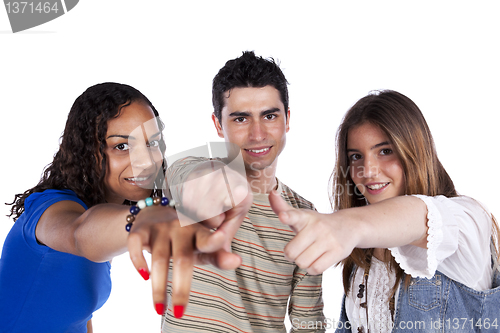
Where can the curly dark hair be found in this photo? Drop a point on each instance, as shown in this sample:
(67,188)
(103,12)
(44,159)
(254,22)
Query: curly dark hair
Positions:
(248,71)
(80,163)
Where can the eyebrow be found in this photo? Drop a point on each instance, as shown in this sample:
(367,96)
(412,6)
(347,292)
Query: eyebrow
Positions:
(246,114)
(385,143)
(129,137)
(273,110)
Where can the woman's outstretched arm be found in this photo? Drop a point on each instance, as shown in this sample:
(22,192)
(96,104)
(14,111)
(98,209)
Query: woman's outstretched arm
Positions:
(325,239)
(99,234)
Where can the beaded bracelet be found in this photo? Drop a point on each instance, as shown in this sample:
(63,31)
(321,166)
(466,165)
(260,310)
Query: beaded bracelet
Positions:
(141,204)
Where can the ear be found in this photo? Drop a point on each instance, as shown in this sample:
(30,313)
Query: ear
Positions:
(287,120)
(218,126)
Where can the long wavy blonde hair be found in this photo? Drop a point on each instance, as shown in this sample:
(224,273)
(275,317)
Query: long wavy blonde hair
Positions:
(405,126)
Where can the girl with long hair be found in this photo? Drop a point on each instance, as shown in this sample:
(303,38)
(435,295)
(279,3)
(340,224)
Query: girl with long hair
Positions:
(416,255)
(103,194)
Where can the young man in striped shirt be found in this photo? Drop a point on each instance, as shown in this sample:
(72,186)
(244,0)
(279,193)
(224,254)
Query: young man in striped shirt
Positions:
(250,99)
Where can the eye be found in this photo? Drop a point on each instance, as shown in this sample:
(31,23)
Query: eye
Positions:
(270,116)
(122,146)
(239,119)
(154,143)
(354,157)
(386,151)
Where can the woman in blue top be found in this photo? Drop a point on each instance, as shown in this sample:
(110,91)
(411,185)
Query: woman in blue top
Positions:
(416,255)
(55,265)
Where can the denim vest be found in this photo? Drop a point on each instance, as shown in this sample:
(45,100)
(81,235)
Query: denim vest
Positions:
(443,305)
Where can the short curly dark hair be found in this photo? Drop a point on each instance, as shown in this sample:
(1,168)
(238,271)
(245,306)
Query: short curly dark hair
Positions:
(248,71)
(80,163)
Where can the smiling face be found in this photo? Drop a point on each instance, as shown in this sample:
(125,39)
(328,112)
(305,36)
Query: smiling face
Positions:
(375,167)
(133,154)
(255,120)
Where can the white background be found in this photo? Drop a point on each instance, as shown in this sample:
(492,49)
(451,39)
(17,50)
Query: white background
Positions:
(443,55)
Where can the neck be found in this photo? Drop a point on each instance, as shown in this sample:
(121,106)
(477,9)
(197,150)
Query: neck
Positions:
(262,181)
(379,254)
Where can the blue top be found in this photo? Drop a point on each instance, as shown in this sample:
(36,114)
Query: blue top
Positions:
(43,290)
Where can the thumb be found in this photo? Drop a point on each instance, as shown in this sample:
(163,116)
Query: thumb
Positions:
(278,204)
(287,214)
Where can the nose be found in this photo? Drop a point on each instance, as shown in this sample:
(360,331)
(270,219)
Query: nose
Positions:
(257,131)
(141,159)
(370,167)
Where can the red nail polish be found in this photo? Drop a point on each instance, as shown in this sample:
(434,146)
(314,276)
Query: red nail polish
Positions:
(144,273)
(178,311)
(160,308)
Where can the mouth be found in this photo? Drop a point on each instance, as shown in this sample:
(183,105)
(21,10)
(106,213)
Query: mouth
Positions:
(140,181)
(376,188)
(258,151)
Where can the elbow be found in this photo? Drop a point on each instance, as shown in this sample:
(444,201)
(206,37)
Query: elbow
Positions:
(83,247)
(421,242)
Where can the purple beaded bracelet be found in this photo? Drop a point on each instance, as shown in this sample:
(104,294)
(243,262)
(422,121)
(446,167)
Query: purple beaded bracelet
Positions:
(141,204)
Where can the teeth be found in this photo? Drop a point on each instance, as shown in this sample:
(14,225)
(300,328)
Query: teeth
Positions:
(258,151)
(137,179)
(377,186)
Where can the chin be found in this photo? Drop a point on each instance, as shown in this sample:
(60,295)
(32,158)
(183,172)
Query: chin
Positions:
(258,165)
(139,196)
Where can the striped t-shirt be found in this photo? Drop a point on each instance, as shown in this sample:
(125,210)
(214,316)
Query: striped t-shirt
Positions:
(254,297)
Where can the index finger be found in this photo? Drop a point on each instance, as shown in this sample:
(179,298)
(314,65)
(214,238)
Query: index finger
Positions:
(234,217)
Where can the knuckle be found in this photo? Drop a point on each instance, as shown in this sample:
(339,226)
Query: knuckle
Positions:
(180,292)
(160,264)
(313,271)
(133,238)
(322,228)
(161,252)
(299,262)
(183,260)
(316,269)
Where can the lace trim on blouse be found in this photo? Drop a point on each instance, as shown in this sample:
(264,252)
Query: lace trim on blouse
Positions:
(434,239)
(380,282)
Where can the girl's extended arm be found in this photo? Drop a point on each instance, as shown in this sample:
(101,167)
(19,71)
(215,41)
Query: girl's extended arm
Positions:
(99,234)
(325,239)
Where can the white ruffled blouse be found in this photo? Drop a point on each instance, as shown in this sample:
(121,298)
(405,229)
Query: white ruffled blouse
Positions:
(458,245)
